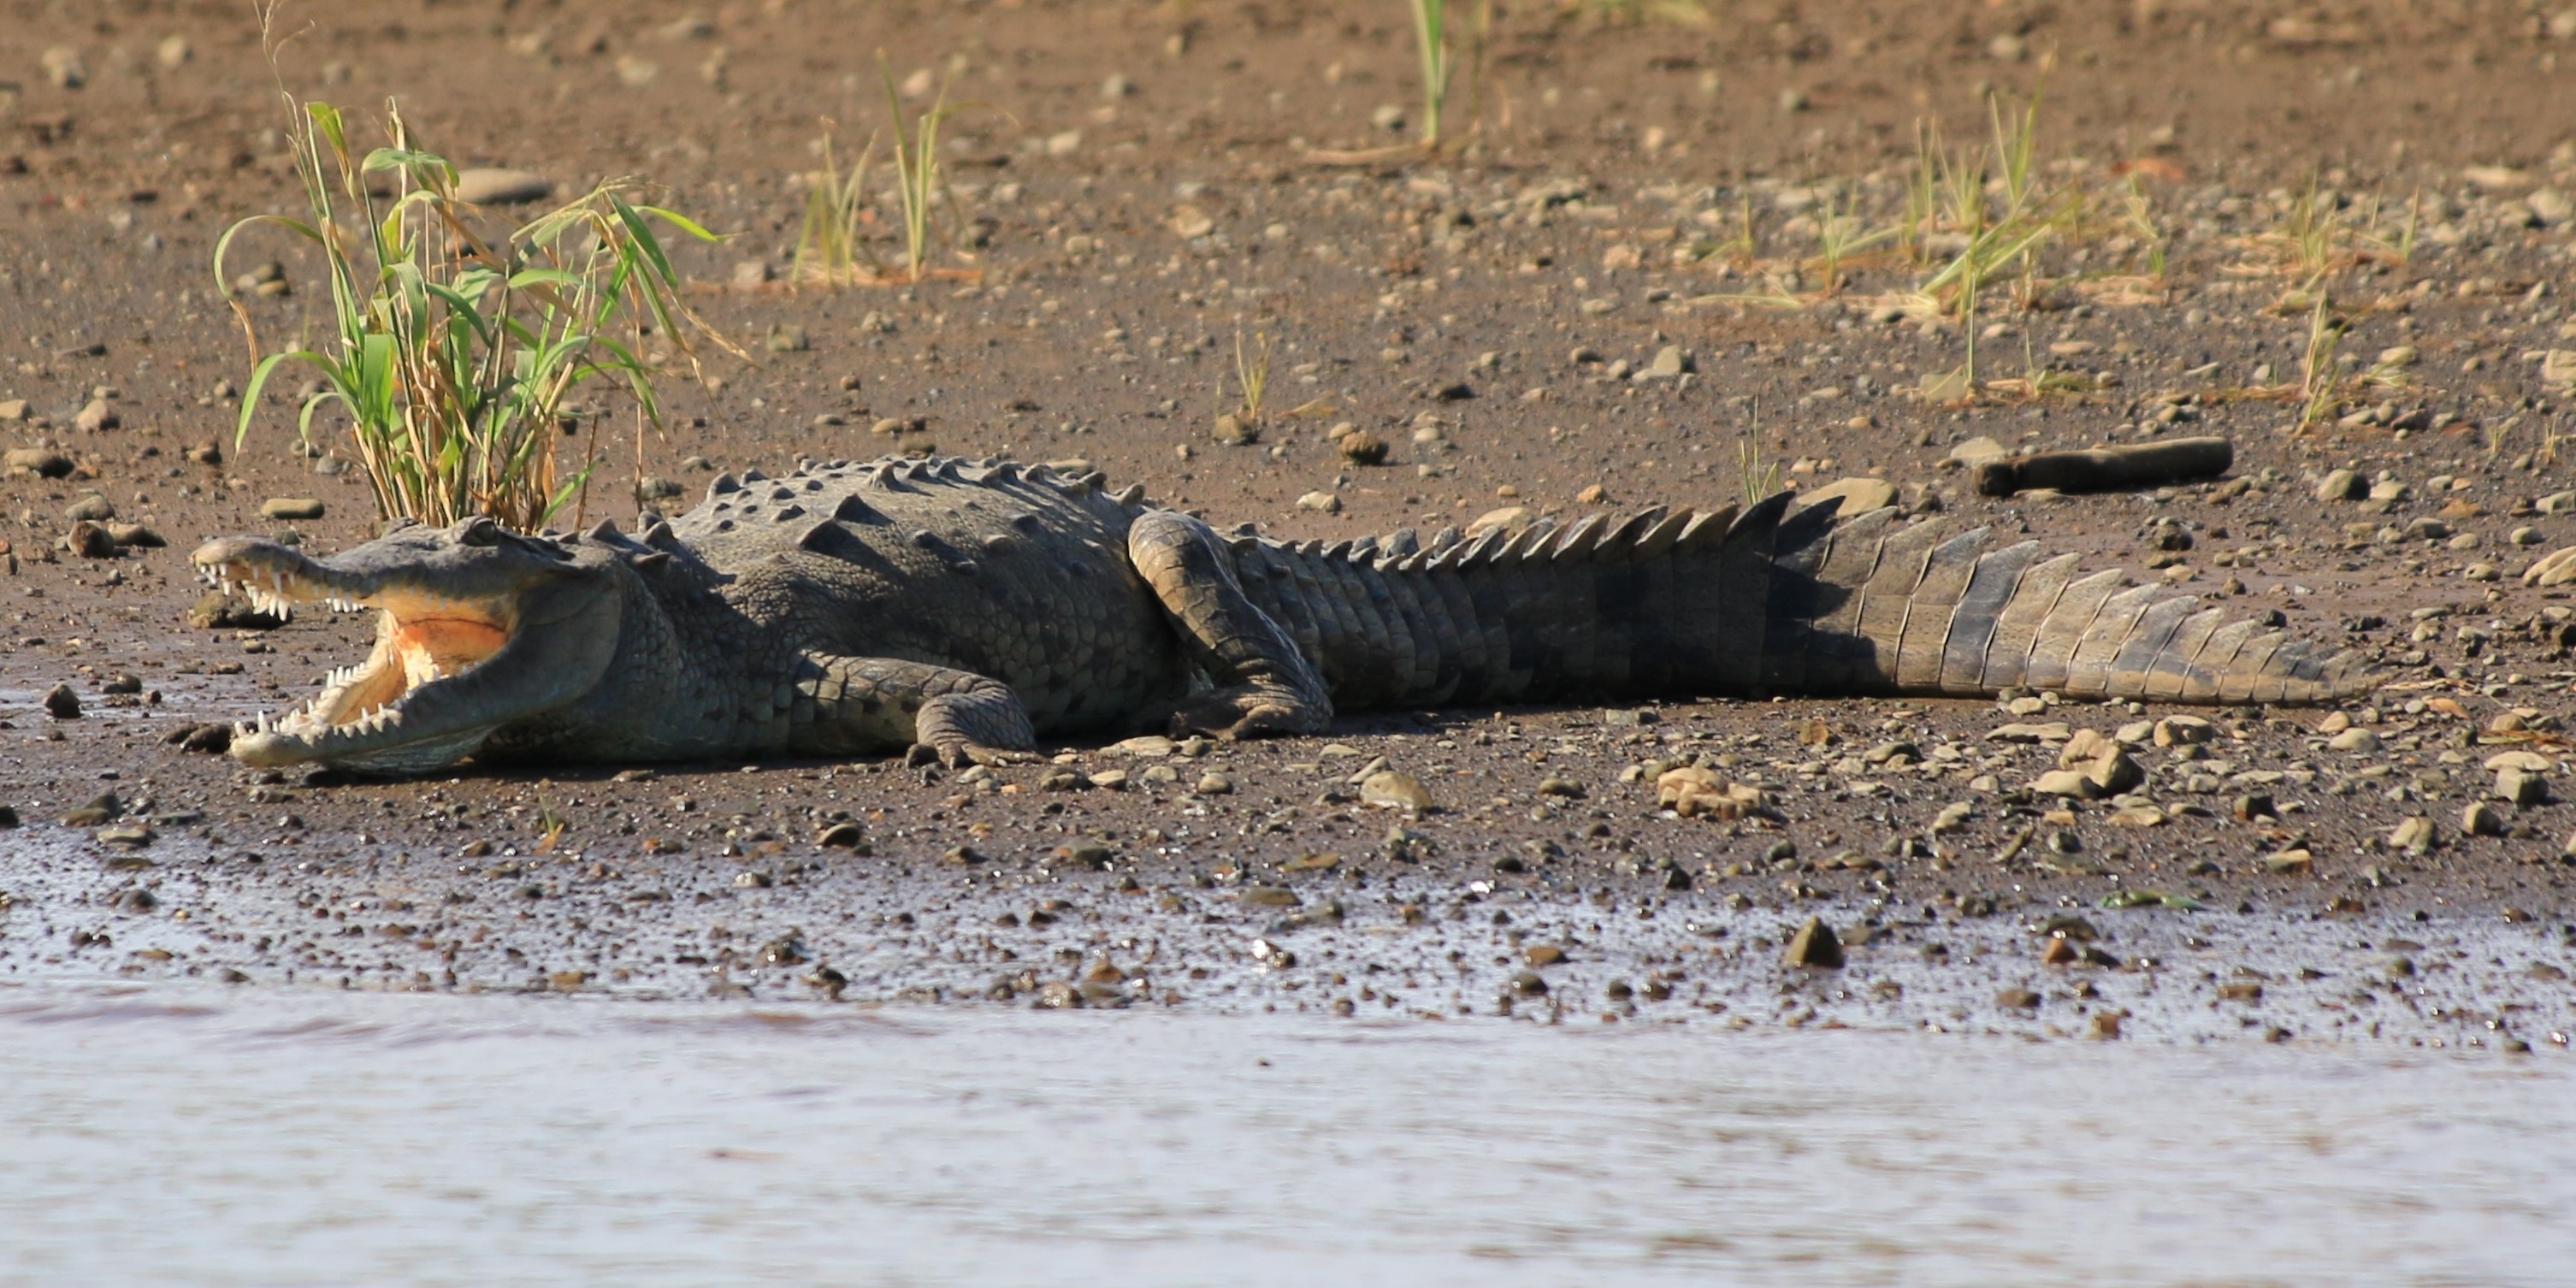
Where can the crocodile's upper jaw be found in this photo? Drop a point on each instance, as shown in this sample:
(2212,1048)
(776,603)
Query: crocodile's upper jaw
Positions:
(454,660)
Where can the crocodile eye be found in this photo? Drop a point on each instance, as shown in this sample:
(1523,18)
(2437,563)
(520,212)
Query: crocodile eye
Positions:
(480,531)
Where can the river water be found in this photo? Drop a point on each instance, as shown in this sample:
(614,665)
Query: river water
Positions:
(172,1134)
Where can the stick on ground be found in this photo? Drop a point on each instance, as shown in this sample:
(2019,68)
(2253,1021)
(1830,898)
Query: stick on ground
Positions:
(2108,469)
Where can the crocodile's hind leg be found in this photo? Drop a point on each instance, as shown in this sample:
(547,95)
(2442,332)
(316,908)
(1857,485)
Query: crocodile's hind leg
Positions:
(857,705)
(1263,684)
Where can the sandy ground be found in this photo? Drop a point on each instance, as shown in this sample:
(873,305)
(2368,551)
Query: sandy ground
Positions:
(1146,184)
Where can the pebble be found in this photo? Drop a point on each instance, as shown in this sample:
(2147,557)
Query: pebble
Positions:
(2520,787)
(2414,834)
(2183,731)
(2482,819)
(1214,784)
(2017,999)
(97,414)
(843,836)
(2290,863)
(64,67)
(92,507)
(1543,955)
(132,836)
(1320,502)
(495,186)
(289,508)
(1509,518)
(91,541)
(1671,362)
(787,337)
(61,703)
(1271,896)
(1110,780)
(39,461)
(2053,731)
(1858,495)
(1392,789)
(1814,946)
(2354,740)
(1190,221)
(1362,448)
(1977,449)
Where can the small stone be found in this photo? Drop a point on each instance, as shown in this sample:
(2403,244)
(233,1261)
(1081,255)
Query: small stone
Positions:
(1509,518)
(1362,448)
(2528,761)
(2414,835)
(1671,362)
(92,507)
(2340,485)
(2051,731)
(1214,784)
(1814,946)
(1271,896)
(290,508)
(1561,787)
(787,337)
(2290,863)
(2482,819)
(91,541)
(1320,502)
(64,67)
(1190,221)
(1543,955)
(1057,995)
(61,703)
(104,808)
(98,414)
(132,836)
(2018,999)
(1977,449)
(843,836)
(491,186)
(2354,740)
(2183,731)
(2520,787)
(39,461)
(1858,495)
(1392,789)
(2062,782)
(1110,780)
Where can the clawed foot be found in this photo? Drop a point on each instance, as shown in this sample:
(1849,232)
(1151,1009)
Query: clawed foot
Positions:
(958,753)
(1226,721)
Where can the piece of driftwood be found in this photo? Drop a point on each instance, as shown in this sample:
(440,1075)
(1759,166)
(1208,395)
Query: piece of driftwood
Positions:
(2107,469)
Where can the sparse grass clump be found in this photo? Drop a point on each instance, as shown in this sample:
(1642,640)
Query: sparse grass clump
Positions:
(457,358)
(1431,44)
(831,249)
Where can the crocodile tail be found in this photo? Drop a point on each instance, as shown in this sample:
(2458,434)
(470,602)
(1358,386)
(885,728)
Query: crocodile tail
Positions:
(1762,601)
(1873,605)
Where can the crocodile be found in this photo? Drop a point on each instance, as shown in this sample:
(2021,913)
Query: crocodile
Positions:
(958,609)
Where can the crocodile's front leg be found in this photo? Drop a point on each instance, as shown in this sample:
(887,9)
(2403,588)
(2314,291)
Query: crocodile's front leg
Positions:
(860,705)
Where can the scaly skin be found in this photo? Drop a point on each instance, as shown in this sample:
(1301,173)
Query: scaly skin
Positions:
(959,610)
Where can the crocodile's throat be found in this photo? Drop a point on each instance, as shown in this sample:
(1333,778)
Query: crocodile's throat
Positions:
(423,641)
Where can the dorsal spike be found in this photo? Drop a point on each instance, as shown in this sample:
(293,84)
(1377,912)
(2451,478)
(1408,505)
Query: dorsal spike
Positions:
(652,561)
(1132,494)
(754,476)
(853,510)
(605,531)
(723,484)
(660,537)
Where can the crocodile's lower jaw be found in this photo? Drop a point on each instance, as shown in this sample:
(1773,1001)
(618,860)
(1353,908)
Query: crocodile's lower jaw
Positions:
(271,749)
(358,720)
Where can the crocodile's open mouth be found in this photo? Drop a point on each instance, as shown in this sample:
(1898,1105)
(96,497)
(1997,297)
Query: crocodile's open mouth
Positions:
(423,640)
